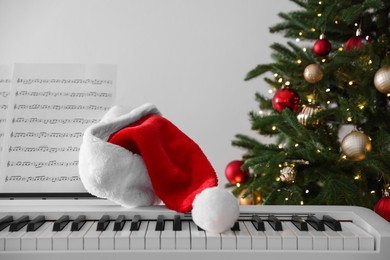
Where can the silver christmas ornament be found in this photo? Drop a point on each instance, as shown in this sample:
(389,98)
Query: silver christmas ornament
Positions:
(356,145)
(382,80)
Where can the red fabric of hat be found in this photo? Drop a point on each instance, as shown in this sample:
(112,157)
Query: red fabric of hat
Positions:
(177,167)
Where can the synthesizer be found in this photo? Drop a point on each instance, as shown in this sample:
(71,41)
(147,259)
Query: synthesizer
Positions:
(98,229)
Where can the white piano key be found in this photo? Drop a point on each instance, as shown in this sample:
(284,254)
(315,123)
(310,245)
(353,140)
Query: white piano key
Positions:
(320,240)
(366,241)
(183,236)
(76,238)
(289,239)
(152,237)
(91,238)
(3,234)
(244,239)
(106,238)
(13,240)
(122,237)
(274,238)
(198,238)
(259,239)
(137,237)
(335,240)
(29,240)
(44,240)
(351,241)
(304,238)
(168,236)
(213,241)
(228,240)
(60,238)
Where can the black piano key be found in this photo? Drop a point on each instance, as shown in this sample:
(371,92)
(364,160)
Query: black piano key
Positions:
(78,223)
(200,229)
(258,223)
(316,223)
(119,223)
(135,223)
(176,223)
(331,223)
(35,223)
(60,223)
(5,222)
(299,222)
(235,227)
(275,223)
(160,223)
(103,223)
(19,224)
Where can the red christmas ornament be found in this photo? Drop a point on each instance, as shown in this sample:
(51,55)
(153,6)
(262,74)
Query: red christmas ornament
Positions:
(285,97)
(234,174)
(322,47)
(356,41)
(382,207)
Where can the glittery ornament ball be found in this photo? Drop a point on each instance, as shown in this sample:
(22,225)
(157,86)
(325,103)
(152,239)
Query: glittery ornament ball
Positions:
(287,174)
(313,73)
(382,80)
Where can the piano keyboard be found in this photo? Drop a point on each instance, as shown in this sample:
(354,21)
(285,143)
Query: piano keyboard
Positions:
(97,229)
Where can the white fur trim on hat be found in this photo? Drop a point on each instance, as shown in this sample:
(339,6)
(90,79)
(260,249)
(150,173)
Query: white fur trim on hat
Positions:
(110,171)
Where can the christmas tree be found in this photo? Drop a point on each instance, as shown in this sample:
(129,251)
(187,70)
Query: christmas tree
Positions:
(333,75)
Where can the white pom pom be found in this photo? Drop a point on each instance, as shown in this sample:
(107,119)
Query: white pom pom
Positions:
(215,210)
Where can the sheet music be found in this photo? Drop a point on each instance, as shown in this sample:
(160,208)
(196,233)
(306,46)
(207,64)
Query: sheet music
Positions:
(50,106)
(5,83)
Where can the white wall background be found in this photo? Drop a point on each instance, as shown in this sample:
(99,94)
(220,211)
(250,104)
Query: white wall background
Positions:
(188,57)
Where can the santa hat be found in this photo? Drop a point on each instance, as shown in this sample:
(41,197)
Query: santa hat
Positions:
(136,157)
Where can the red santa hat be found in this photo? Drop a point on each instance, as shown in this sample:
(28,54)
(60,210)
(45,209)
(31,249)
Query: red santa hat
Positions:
(136,157)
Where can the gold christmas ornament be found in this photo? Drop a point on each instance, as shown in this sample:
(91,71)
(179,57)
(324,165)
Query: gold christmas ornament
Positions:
(313,73)
(306,112)
(288,173)
(252,199)
(382,80)
(355,145)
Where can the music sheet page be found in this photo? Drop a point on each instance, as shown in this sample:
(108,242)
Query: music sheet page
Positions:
(50,106)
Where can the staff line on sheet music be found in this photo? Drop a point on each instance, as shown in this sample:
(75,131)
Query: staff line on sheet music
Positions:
(43,148)
(46,135)
(53,121)
(60,107)
(64,81)
(41,178)
(51,163)
(62,94)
